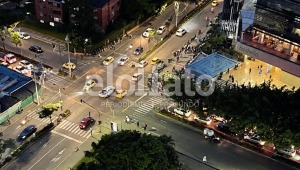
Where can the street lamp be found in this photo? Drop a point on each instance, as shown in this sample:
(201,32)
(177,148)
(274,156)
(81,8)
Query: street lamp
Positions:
(99,114)
(85,43)
(59,92)
(68,42)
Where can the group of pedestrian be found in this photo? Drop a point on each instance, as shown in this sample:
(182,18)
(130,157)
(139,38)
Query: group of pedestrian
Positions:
(144,127)
(231,78)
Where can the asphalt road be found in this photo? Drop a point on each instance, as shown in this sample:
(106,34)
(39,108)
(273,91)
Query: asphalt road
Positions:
(50,151)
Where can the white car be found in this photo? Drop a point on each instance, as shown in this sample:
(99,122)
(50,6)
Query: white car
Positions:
(182,112)
(26,64)
(10,58)
(254,139)
(142,64)
(89,84)
(291,152)
(207,120)
(147,33)
(136,77)
(24,35)
(123,60)
(107,91)
(161,30)
(21,69)
(181,32)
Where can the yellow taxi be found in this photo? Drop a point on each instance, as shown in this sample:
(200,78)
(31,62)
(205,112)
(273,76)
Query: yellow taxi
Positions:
(69,65)
(108,60)
(120,93)
(89,84)
(155,60)
(214,3)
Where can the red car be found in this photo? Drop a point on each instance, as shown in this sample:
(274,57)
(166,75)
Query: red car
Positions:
(86,122)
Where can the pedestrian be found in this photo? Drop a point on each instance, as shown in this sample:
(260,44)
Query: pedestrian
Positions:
(232,79)
(148,40)
(204,159)
(228,71)
(199,32)
(145,127)
(138,124)
(249,70)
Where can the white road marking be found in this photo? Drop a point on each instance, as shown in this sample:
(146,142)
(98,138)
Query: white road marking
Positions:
(46,154)
(65,136)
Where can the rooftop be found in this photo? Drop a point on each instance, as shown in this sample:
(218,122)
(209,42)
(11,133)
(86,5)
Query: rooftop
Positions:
(11,80)
(211,65)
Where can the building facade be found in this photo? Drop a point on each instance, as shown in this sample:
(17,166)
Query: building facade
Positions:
(230,13)
(271,33)
(50,12)
(54,12)
(106,11)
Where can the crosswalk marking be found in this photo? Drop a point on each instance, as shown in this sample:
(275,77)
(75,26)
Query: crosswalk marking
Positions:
(73,128)
(53,79)
(64,124)
(146,107)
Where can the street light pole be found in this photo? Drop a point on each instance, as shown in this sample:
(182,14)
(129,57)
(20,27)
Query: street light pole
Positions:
(36,89)
(68,42)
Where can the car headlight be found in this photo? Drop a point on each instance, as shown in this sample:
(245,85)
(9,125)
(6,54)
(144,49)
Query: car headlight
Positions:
(23,137)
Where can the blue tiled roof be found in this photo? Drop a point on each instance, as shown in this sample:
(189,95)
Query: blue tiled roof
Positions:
(20,79)
(99,3)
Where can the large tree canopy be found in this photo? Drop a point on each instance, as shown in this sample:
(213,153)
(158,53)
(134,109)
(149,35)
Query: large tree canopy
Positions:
(132,150)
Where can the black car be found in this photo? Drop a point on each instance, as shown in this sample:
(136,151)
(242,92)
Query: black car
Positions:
(138,50)
(36,49)
(28,131)
(224,128)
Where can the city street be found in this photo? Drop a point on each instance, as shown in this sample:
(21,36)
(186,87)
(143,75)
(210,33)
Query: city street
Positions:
(57,150)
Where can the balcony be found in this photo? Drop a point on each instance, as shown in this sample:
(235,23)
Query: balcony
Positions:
(248,40)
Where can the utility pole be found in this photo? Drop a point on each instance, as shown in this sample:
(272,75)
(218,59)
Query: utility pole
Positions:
(68,42)
(176,8)
(36,89)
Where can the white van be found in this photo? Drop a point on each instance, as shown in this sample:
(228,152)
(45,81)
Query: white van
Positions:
(182,112)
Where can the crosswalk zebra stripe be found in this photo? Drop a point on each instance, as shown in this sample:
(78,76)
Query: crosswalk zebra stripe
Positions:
(70,124)
(74,129)
(78,129)
(62,123)
(81,132)
(71,127)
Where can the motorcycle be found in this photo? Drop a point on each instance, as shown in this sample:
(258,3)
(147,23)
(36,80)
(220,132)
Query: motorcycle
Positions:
(210,135)
(24,121)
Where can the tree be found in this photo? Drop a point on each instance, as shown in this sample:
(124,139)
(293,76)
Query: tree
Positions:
(48,109)
(3,36)
(132,150)
(5,143)
(15,38)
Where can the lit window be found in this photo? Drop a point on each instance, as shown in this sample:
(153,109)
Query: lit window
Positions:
(42,21)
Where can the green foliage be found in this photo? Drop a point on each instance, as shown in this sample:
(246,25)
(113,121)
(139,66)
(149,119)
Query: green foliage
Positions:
(132,150)
(15,38)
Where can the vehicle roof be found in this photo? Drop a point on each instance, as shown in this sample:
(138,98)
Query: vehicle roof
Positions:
(136,74)
(162,26)
(109,87)
(90,80)
(9,55)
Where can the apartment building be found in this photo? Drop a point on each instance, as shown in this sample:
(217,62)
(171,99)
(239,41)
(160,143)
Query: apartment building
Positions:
(269,30)
(50,12)
(55,12)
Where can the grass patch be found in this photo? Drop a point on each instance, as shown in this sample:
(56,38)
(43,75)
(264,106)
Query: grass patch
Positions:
(43,28)
(84,159)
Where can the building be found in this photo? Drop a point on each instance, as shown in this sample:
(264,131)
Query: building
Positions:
(106,11)
(52,12)
(16,92)
(230,13)
(269,30)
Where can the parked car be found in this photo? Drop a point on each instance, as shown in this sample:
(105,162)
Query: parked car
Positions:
(207,120)
(123,60)
(5,64)
(86,122)
(155,60)
(24,35)
(121,93)
(36,49)
(89,84)
(161,30)
(138,50)
(107,91)
(8,58)
(254,138)
(69,65)
(137,76)
(108,60)
(181,32)
(290,152)
(28,131)
(142,64)
(148,32)
(21,69)
(223,127)
(182,112)
(26,64)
